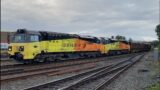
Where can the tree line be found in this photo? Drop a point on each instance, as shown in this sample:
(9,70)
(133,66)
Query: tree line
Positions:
(158,34)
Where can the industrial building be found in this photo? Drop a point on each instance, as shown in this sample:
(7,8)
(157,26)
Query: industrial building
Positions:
(4,39)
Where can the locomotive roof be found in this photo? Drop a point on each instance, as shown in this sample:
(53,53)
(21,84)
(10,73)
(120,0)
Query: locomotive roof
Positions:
(58,34)
(24,31)
(87,36)
(21,31)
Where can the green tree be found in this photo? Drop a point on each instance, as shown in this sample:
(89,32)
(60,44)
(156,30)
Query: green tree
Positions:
(158,34)
(130,40)
(158,31)
(120,38)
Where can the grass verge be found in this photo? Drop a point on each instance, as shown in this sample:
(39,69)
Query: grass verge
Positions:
(154,87)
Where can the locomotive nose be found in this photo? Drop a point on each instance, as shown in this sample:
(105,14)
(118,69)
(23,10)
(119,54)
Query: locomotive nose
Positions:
(16,51)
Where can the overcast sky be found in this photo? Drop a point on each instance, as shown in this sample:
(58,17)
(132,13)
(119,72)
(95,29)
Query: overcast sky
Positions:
(132,18)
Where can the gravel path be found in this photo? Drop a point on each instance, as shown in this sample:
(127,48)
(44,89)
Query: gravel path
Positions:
(7,61)
(138,77)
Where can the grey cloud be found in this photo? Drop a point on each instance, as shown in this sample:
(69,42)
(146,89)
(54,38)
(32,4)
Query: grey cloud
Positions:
(132,18)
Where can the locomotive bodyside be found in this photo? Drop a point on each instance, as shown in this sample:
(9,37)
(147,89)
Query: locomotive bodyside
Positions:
(82,45)
(117,47)
(50,47)
(40,46)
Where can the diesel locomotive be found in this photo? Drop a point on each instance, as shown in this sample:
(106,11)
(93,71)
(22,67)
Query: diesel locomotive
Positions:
(29,46)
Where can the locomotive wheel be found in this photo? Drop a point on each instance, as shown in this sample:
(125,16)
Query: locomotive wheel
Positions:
(39,58)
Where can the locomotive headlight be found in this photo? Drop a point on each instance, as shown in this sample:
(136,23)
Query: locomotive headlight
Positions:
(21,48)
(9,48)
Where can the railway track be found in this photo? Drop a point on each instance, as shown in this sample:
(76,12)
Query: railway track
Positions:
(20,65)
(21,73)
(53,69)
(88,80)
(28,68)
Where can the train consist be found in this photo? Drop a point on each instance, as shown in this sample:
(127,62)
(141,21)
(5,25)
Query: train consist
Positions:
(40,46)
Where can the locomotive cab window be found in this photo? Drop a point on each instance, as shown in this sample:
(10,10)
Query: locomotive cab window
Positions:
(33,38)
(18,38)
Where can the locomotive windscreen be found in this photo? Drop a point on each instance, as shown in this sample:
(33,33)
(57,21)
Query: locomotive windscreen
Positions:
(21,38)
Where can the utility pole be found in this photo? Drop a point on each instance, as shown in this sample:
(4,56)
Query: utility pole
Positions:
(159,11)
(159,41)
